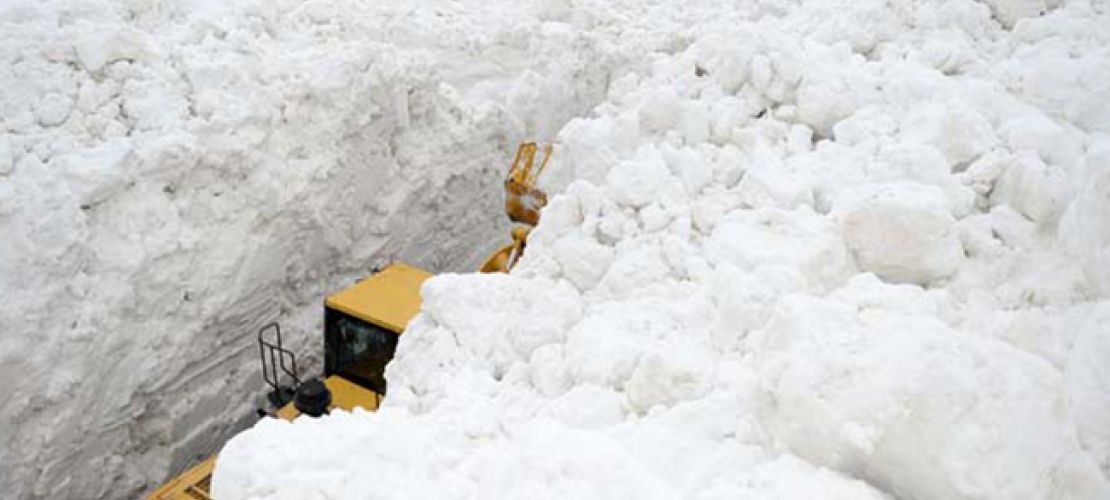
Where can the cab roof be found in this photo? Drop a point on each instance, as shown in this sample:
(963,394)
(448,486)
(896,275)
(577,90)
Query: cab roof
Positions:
(389,298)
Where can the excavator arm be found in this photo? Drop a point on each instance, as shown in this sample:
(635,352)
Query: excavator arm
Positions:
(523,201)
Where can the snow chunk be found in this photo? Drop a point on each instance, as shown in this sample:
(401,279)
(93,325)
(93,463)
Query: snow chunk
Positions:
(958,131)
(606,347)
(800,241)
(97,174)
(585,153)
(1037,190)
(97,48)
(695,122)
(588,406)
(772,186)
(924,164)
(833,89)
(53,109)
(638,181)
(668,375)
(1038,133)
(1009,12)
(661,111)
(919,409)
(583,260)
(900,231)
(690,166)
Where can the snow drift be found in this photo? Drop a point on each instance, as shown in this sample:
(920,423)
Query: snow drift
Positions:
(837,250)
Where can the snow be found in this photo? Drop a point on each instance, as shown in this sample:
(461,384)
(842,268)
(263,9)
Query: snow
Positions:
(831,249)
(175,174)
(918,409)
(902,231)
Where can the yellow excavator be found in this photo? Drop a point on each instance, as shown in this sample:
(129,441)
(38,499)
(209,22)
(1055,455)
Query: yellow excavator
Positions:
(362,324)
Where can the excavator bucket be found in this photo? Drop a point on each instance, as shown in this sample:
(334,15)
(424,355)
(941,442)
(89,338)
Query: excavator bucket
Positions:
(523,200)
(505,258)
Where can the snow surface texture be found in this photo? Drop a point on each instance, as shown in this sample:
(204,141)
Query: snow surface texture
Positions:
(174,174)
(845,249)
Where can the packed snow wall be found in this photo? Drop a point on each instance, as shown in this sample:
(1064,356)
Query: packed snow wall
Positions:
(840,250)
(175,174)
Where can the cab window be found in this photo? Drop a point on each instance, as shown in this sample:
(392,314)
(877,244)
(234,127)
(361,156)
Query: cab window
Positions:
(357,350)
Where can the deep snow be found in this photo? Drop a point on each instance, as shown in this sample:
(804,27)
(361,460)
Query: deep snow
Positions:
(693,318)
(174,174)
(841,249)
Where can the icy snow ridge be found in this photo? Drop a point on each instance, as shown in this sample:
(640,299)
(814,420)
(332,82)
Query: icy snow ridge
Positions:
(844,250)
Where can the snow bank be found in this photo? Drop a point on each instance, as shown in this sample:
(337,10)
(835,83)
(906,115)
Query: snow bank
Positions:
(543,458)
(175,174)
(850,248)
(915,407)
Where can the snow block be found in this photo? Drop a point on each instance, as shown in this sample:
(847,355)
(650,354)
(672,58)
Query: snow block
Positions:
(1037,190)
(639,181)
(801,240)
(771,187)
(1009,12)
(960,132)
(902,232)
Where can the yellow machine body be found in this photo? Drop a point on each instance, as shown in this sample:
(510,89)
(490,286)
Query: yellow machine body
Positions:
(388,299)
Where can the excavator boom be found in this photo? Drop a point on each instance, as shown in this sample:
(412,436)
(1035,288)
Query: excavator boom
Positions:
(523,200)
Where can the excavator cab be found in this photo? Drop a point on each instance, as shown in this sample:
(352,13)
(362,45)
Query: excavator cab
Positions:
(363,323)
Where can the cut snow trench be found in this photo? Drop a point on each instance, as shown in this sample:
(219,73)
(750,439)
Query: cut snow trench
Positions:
(910,306)
(172,176)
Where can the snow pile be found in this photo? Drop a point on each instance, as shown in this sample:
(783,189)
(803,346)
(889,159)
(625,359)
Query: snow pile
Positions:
(844,250)
(174,174)
(916,407)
